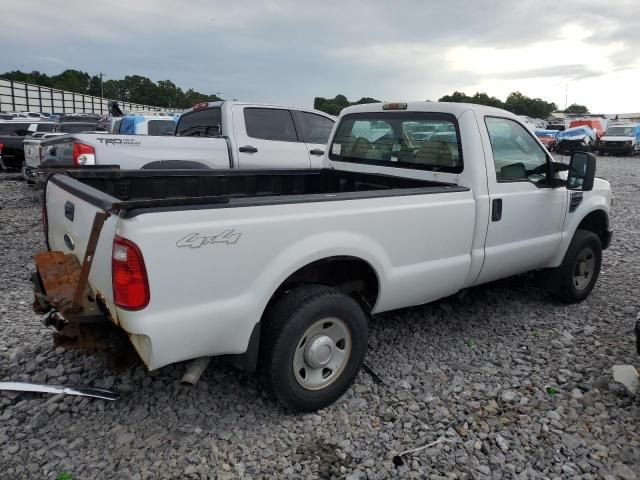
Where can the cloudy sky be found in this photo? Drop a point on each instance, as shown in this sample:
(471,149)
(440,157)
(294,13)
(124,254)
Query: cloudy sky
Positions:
(291,51)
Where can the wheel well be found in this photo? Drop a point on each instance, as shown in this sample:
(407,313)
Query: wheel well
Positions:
(596,222)
(350,275)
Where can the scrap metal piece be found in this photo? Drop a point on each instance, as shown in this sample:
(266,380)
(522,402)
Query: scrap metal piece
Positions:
(398,459)
(59,274)
(628,376)
(93,392)
(195,368)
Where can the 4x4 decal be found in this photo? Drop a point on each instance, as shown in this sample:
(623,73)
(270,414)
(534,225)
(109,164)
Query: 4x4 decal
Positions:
(196,240)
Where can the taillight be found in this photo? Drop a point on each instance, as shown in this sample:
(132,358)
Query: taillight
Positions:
(128,275)
(83,154)
(1,145)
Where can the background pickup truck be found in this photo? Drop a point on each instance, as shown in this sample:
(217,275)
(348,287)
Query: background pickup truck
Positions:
(281,269)
(12,135)
(230,135)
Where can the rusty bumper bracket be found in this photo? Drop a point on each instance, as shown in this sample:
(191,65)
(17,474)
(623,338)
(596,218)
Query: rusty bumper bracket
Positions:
(61,282)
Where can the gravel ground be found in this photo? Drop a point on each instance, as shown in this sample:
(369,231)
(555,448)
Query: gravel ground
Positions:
(469,371)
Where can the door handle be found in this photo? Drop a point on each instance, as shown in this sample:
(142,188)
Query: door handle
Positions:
(496,210)
(316,151)
(248,149)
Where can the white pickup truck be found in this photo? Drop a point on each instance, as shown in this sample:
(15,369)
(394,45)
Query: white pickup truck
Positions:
(281,269)
(231,135)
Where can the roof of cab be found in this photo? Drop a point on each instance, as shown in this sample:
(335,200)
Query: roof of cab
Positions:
(203,105)
(453,108)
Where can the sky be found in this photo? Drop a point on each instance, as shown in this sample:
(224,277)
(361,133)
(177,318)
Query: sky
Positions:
(290,51)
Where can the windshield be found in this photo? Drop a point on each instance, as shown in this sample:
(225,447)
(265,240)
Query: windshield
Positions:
(418,140)
(160,127)
(200,123)
(621,132)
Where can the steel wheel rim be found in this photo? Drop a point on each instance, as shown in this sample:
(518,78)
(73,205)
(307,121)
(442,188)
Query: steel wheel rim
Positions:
(584,268)
(322,353)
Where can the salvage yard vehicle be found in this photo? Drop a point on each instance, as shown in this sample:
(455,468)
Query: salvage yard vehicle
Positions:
(33,154)
(230,135)
(548,138)
(620,139)
(280,270)
(12,135)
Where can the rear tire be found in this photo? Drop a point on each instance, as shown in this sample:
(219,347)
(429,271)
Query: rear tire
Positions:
(313,346)
(577,275)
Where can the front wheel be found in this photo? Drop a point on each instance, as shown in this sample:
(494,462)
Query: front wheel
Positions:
(314,343)
(578,273)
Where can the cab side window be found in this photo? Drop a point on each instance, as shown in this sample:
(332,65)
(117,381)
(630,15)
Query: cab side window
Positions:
(270,124)
(315,128)
(516,155)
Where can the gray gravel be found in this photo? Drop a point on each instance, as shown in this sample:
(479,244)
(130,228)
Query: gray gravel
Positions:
(470,370)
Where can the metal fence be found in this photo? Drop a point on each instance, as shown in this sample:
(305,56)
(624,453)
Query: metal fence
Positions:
(25,97)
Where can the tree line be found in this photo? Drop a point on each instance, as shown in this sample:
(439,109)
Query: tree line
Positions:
(516,103)
(132,88)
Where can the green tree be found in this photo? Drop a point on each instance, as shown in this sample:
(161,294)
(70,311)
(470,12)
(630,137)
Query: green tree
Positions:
(333,106)
(72,80)
(533,107)
(480,98)
(132,88)
(575,108)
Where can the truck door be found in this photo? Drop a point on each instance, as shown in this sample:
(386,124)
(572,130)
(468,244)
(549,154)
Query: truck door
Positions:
(266,137)
(527,215)
(315,129)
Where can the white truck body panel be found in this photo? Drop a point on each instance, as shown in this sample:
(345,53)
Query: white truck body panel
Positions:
(414,266)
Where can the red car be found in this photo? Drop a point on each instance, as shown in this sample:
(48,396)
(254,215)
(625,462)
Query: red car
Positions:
(548,141)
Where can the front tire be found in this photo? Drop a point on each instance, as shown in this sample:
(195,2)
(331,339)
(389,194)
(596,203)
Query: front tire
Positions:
(314,343)
(578,273)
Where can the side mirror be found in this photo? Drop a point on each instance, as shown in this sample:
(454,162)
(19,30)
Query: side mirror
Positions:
(582,171)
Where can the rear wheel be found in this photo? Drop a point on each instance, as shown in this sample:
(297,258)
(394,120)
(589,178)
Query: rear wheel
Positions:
(313,346)
(577,275)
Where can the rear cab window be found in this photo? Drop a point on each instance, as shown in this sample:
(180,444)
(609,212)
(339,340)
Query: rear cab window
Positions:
(77,127)
(270,124)
(15,129)
(417,140)
(160,127)
(200,123)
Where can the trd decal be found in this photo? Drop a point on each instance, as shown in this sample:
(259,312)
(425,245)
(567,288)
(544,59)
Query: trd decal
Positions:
(196,240)
(117,141)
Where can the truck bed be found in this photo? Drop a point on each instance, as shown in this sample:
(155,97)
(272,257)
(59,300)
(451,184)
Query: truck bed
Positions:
(132,190)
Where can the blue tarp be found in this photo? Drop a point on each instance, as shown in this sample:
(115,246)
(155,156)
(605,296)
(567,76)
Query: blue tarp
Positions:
(577,133)
(547,133)
(129,122)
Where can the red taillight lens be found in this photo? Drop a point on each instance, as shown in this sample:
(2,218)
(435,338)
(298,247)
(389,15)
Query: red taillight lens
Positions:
(83,154)
(1,145)
(128,275)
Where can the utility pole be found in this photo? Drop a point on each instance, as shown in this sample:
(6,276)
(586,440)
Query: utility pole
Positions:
(566,96)
(101,86)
